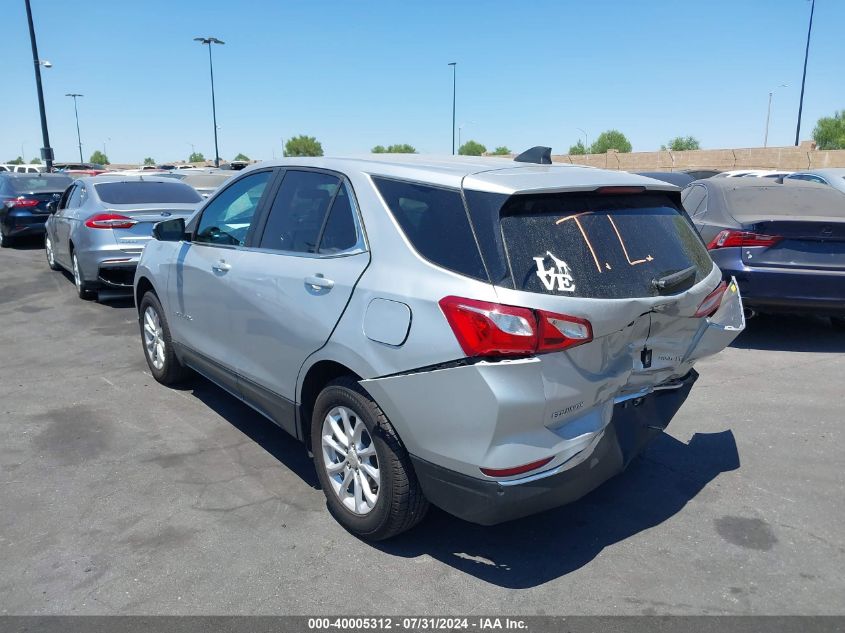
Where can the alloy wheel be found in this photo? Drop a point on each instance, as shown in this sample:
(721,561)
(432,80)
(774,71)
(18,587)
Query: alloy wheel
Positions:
(350,460)
(48,246)
(153,338)
(77,278)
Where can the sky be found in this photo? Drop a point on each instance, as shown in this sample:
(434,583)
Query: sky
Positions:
(359,74)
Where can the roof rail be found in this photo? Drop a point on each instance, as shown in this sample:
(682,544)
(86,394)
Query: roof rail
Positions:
(539,154)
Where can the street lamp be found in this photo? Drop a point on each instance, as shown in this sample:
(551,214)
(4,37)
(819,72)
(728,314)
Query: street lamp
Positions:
(454,66)
(76,111)
(461,127)
(209,41)
(46,150)
(768,116)
(804,76)
(586,143)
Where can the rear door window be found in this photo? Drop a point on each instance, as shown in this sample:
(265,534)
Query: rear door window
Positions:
(603,247)
(435,222)
(313,212)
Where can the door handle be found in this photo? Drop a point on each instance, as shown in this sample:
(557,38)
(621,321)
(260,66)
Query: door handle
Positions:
(318,282)
(222,266)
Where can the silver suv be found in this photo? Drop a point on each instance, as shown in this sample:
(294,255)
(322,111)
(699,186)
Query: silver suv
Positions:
(493,337)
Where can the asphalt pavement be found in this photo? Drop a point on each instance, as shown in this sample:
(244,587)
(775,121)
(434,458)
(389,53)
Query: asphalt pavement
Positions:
(119,495)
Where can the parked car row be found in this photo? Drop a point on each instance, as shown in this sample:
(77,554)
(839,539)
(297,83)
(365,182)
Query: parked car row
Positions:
(783,242)
(21,169)
(551,314)
(555,312)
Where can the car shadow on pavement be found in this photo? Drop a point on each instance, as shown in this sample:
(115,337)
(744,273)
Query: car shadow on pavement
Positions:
(285,448)
(791,333)
(540,548)
(29,243)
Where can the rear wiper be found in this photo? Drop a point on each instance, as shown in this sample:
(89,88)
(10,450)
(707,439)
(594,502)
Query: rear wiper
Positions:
(669,283)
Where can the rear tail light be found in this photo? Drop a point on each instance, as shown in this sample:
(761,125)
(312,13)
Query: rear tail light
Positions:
(491,329)
(516,470)
(110,221)
(728,238)
(712,301)
(21,203)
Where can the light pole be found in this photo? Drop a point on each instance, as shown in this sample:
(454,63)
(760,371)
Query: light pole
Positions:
(208,41)
(768,116)
(105,153)
(76,111)
(461,127)
(804,76)
(46,150)
(586,142)
(454,66)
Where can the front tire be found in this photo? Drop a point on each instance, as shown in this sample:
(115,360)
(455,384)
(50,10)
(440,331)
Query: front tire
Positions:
(364,470)
(83,288)
(158,344)
(51,255)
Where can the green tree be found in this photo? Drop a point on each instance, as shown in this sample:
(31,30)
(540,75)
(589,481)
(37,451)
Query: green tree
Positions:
(830,131)
(399,148)
(149,161)
(17,161)
(35,161)
(502,150)
(577,149)
(472,148)
(682,144)
(98,158)
(196,157)
(303,145)
(611,139)
(241,157)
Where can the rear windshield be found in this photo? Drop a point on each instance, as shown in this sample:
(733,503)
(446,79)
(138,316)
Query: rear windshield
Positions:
(150,192)
(591,246)
(45,183)
(798,199)
(205,180)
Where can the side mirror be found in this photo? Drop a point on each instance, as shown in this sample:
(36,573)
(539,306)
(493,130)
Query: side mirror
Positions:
(54,202)
(170,230)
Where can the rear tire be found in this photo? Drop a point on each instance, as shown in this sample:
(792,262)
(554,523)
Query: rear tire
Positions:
(399,502)
(83,288)
(158,344)
(838,323)
(51,255)
(5,240)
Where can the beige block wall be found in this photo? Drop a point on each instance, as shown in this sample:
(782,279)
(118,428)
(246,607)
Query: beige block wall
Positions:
(789,158)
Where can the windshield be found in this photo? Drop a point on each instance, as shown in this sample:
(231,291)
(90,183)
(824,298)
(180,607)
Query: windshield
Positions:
(149,192)
(595,246)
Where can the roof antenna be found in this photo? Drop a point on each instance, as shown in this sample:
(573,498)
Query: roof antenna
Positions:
(539,154)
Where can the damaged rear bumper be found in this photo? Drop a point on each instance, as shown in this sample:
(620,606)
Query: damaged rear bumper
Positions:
(633,424)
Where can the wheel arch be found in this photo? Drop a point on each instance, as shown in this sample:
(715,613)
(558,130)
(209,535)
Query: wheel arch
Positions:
(316,378)
(142,287)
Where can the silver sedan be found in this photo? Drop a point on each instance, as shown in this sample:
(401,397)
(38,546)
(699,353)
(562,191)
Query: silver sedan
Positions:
(101,225)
